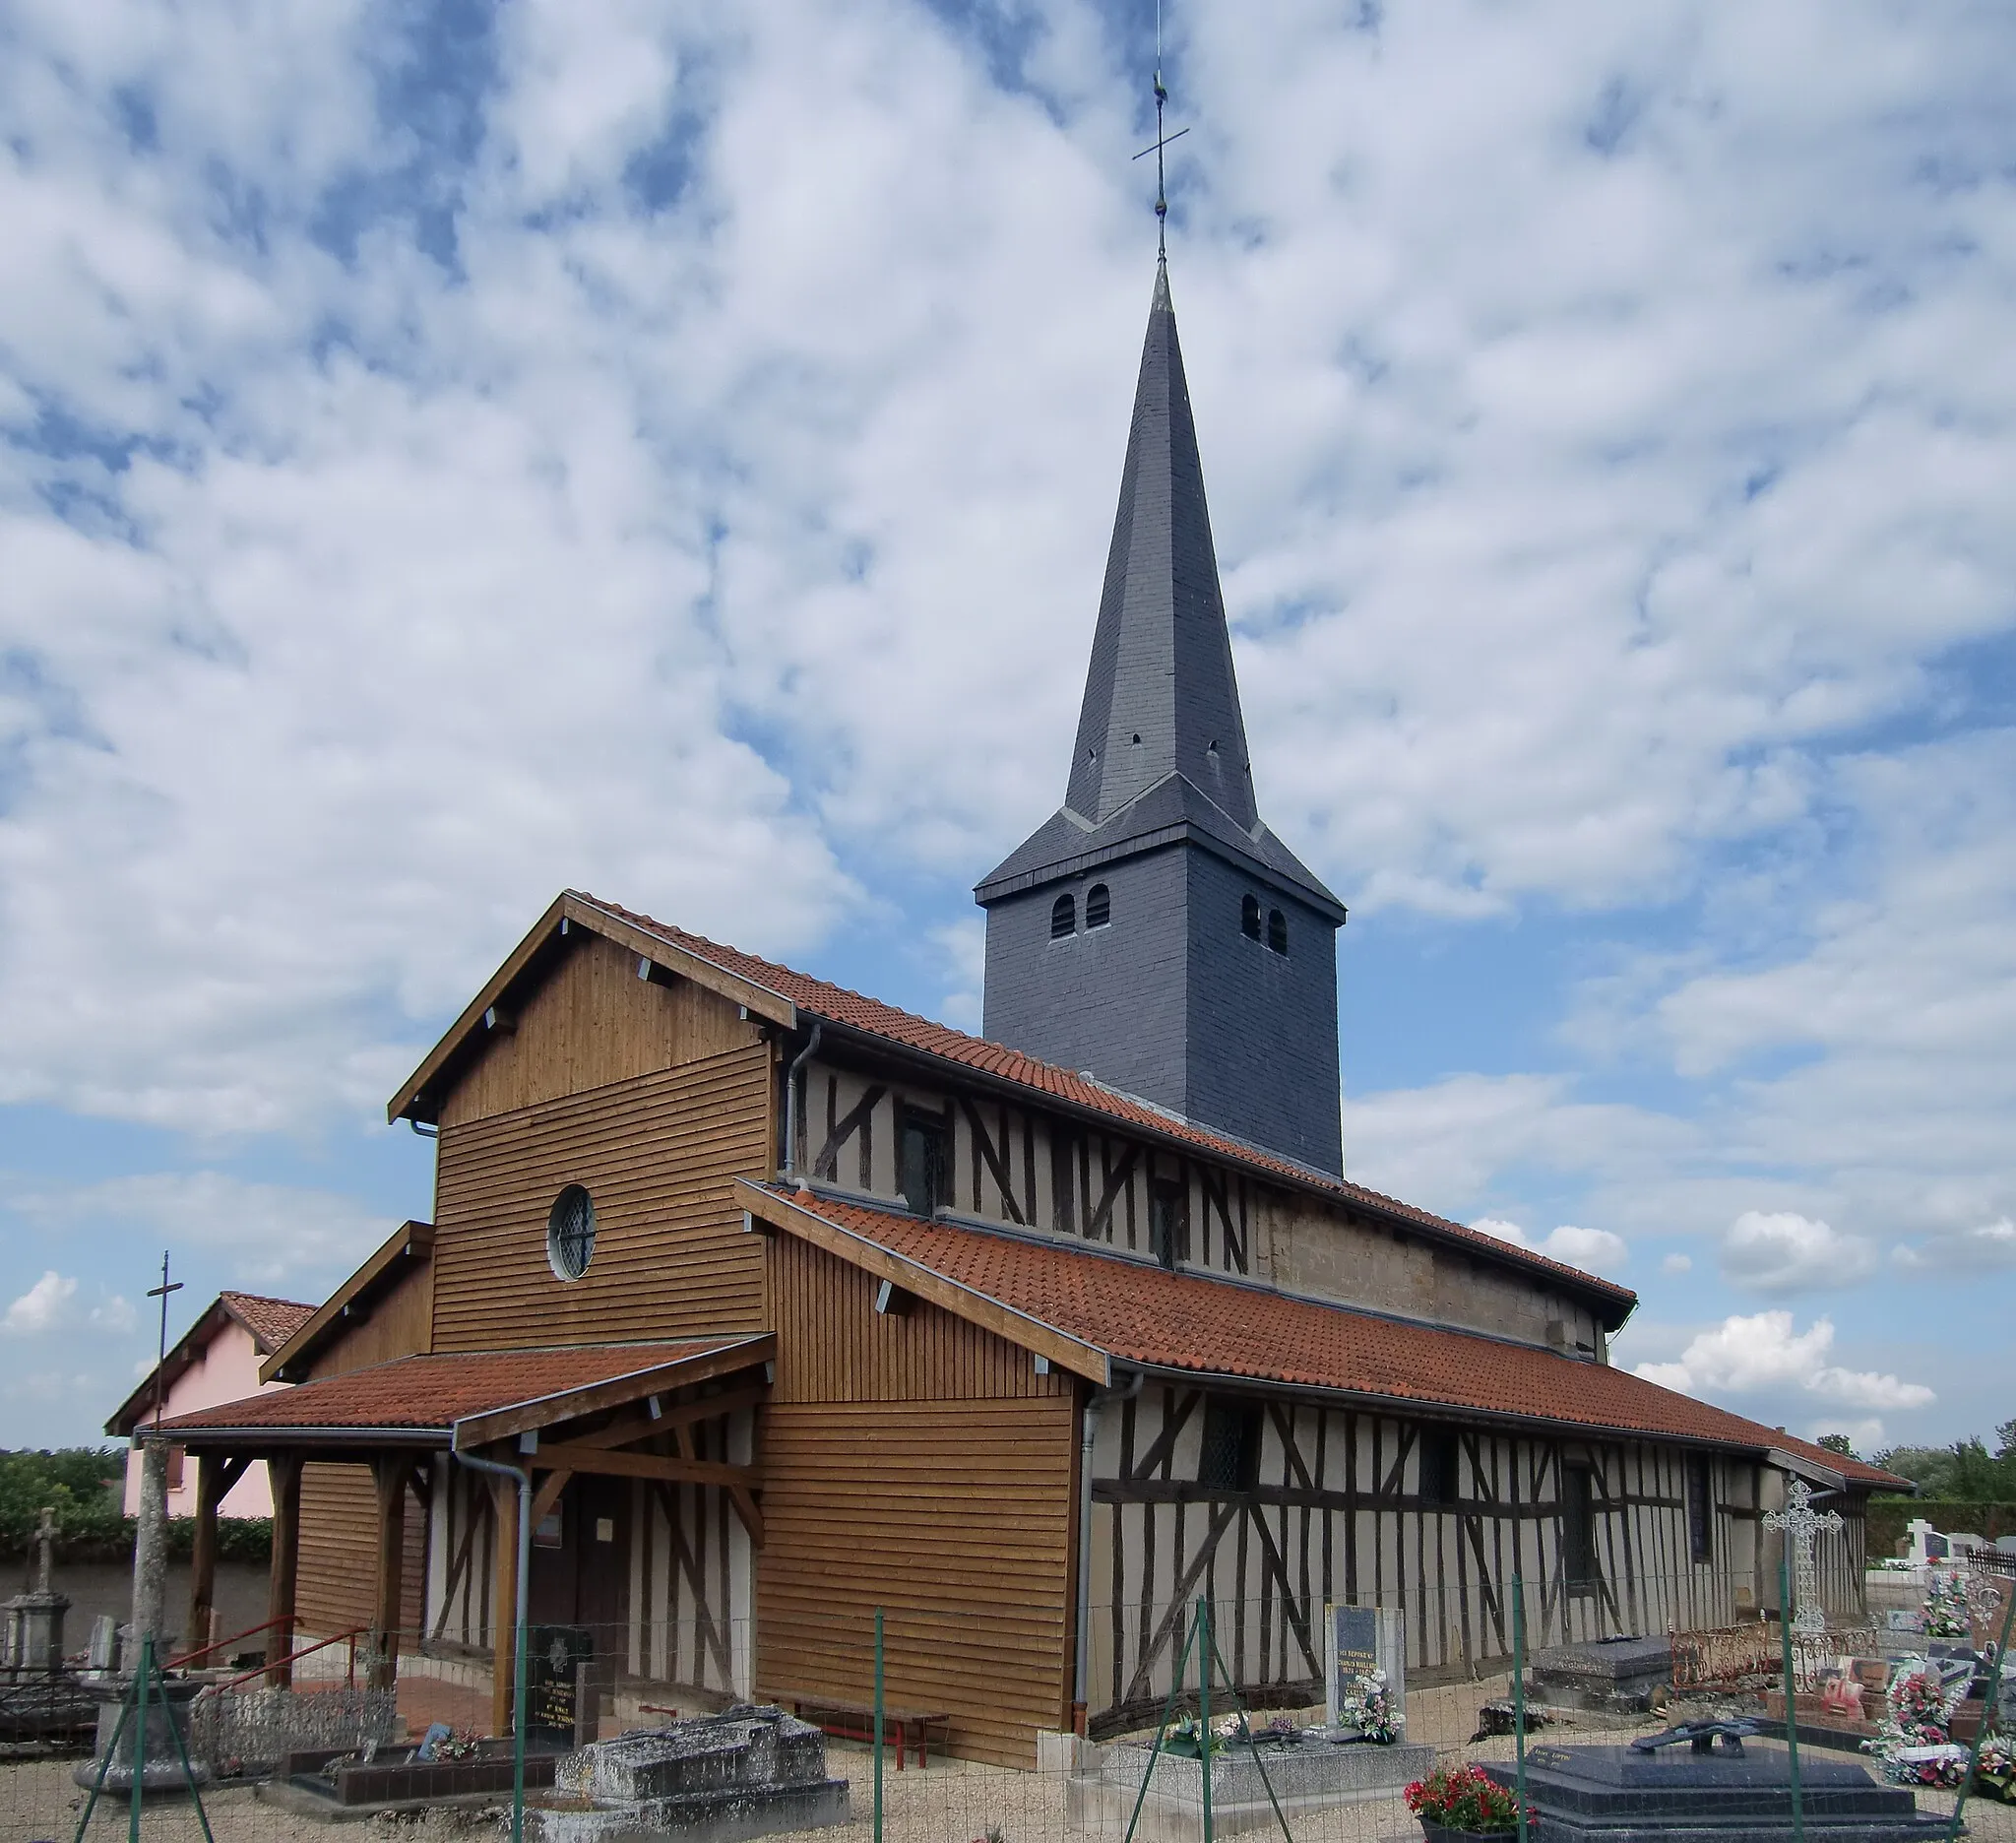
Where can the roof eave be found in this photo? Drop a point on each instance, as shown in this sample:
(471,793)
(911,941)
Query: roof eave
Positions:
(569,908)
(1616,1298)
(410,1243)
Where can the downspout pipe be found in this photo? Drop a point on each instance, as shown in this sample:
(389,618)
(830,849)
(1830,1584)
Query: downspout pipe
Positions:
(791,1099)
(521,1476)
(1087,1440)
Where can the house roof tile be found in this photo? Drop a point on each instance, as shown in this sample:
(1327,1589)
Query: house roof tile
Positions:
(430,1393)
(271,1321)
(872,1017)
(1139,1315)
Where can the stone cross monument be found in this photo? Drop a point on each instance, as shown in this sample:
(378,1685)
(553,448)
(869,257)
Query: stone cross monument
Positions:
(34,1620)
(1801,1523)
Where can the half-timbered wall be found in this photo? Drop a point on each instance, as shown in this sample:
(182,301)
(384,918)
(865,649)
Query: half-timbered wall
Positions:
(916,1462)
(1024,1166)
(1340,1513)
(659,1153)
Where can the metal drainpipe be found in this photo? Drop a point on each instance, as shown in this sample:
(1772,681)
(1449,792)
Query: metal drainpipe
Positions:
(790,1100)
(1082,1667)
(523,1476)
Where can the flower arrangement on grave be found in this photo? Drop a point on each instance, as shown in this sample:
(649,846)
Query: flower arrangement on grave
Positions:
(1917,1709)
(1995,1773)
(1367,1708)
(1465,1799)
(1946,1612)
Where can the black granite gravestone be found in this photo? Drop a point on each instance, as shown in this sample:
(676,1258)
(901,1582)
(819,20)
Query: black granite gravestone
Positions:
(1727,1795)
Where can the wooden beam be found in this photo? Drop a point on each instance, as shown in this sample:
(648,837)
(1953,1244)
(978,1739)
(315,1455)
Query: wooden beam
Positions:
(671,1418)
(210,1493)
(744,1500)
(660,1379)
(284,1470)
(389,1474)
(617,1464)
(504,1604)
(547,1497)
(1017,1329)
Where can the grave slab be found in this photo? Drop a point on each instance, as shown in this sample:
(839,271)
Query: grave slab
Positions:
(1614,1676)
(1675,1795)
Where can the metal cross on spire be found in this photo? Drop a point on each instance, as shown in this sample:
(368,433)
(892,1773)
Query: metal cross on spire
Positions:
(1162,196)
(1801,1523)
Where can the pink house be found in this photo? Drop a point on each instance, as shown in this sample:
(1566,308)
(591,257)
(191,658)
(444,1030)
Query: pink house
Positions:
(216,1361)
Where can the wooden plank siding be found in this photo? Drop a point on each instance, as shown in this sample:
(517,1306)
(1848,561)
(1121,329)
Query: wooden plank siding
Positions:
(659,1153)
(915,1462)
(337,1584)
(1338,1515)
(592,1023)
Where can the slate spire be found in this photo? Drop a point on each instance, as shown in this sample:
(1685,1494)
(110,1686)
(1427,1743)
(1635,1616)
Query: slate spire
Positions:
(1161,697)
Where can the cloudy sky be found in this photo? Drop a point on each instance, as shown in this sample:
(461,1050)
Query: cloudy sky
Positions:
(453,452)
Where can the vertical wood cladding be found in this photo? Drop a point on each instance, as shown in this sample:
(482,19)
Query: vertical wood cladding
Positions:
(659,1153)
(920,1464)
(337,1587)
(1348,1508)
(591,1023)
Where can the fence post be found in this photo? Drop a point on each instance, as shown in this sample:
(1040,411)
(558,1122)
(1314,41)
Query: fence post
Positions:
(1519,1700)
(1791,1711)
(1203,1655)
(878,1725)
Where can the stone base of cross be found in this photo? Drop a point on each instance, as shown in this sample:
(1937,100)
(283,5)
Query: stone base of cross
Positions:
(1801,1523)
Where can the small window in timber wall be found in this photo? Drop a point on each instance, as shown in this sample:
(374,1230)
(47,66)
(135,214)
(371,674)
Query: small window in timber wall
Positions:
(1063,917)
(1098,906)
(1228,1454)
(1277,931)
(1578,1528)
(924,1162)
(1249,917)
(570,1232)
(1441,1466)
(1700,1509)
(1168,1223)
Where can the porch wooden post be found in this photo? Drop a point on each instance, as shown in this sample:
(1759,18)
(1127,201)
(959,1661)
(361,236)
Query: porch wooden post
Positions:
(210,1479)
(389,1474)
(504,1608)
(284,1470)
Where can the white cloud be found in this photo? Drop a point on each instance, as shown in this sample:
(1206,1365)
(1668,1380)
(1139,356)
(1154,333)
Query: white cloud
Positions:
(268,1232)
(1593,1251)
(1677,1264)
(1780,1251)
(1762,1354)
(42,1307)
(1985,1247)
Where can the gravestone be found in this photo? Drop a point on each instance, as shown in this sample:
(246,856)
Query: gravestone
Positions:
(1607,1675)
(34,1619)
(103,1653)
(1624,1794)
(748,1772)
(1358,1642)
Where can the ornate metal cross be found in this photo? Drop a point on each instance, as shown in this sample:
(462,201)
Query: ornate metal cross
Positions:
(1801,1523)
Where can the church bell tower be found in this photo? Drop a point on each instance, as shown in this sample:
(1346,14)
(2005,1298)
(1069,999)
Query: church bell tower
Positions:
(1153,931)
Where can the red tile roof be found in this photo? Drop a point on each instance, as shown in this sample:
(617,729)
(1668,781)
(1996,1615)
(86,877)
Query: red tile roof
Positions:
(271,1321)
(430,1393)
(870,1015)
(1137,1313)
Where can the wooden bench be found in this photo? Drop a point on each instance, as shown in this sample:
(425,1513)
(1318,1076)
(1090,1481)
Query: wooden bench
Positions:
(856,1721)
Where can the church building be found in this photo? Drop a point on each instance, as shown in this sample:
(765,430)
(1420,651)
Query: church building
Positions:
(796,1305)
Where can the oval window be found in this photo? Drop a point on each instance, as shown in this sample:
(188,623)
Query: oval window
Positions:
(570,1232)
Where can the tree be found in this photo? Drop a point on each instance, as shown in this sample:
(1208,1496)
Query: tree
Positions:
(1838,1443)
(2005,1440)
